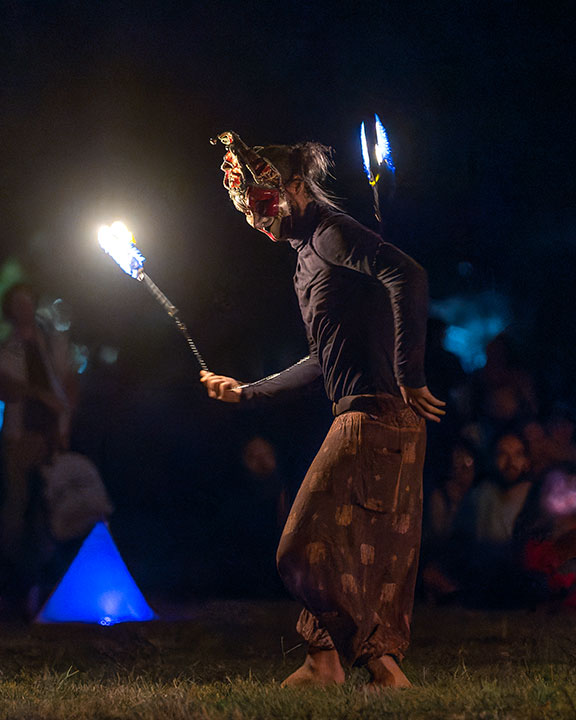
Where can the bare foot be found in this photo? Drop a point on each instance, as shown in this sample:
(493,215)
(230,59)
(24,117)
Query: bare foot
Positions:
(320,668)
(385,673)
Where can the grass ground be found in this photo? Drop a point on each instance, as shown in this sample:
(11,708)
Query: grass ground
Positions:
(226,661)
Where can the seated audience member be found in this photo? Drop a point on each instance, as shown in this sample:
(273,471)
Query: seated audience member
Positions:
(499,408)
(500,498)
(37,386)
(560,427)
(253,522)
(445,499)
(504,368)
(546,537)
(483,559)
(551,442)
(503,393)
(443,506)
(537,442)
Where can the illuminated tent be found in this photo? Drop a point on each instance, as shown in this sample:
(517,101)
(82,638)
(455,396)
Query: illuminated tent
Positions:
(97,588)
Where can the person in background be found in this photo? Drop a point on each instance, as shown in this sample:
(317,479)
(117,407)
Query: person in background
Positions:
(256,517)
(445,499)
(500,497)
(482,541)
(443,506)
(502,395)
(560,427)
(36,385)
(545,535)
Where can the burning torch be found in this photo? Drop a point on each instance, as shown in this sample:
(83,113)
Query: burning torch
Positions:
(119,243)
(378,163)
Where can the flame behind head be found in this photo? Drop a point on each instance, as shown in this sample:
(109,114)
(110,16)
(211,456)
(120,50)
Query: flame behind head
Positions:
(376,158)
(382,148)
(119,243)
(365,153)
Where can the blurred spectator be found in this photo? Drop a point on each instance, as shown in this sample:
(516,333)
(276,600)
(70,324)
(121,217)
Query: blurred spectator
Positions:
(560,427)
(504,368)
(446,499)
(499,499)
(552,441)
(261,506)
(546,536)
(502,394)
(443,506)
(263,482)
(448,381)
(536,439)
(500,407)
(36,382)
(250,516)
(480,562)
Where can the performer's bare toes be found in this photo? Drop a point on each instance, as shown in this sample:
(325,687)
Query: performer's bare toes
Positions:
(320,669)
(385,673)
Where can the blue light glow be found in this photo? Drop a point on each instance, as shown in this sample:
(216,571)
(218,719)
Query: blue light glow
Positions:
(382,152)
(97,587)
(382,148)
(1,414)
(365,153)
(81,356)
(61,316)
(472,322)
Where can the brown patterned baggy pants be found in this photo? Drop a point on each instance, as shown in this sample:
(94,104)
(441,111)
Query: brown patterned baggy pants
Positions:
(349,550)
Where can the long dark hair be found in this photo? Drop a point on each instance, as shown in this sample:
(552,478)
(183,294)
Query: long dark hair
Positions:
(312,161)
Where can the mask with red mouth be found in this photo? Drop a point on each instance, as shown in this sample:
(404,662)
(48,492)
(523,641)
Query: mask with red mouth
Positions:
(255,186)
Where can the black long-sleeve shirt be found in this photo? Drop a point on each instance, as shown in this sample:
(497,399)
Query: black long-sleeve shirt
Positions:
(364,304)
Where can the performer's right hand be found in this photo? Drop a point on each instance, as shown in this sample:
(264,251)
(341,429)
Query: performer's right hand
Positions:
(221,387)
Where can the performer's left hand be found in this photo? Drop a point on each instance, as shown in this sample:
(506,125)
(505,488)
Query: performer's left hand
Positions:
(423,402)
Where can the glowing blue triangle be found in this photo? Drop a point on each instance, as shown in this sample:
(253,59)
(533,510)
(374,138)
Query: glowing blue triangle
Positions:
(97,587)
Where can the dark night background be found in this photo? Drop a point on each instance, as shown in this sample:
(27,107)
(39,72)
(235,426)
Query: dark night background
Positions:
(106,110)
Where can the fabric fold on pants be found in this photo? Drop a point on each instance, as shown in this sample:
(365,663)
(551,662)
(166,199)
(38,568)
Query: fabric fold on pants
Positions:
(349,551)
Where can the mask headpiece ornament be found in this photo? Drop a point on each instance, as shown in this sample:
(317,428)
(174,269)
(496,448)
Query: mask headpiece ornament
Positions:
(255,186)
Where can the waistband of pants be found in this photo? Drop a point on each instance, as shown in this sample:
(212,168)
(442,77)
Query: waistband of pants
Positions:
(372,404)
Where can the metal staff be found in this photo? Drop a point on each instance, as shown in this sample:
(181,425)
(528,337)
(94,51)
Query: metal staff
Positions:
(119,243)
(378,163)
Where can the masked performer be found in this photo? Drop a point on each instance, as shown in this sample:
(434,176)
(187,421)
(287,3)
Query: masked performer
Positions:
(349,551)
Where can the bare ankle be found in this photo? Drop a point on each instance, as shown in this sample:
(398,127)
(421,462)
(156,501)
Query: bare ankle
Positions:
(386,673)
(320,668)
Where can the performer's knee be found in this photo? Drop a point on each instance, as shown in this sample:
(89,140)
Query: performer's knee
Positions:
(290,561)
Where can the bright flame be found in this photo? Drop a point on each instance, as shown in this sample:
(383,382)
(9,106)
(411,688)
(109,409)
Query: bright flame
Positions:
(119,243)
(365,153)
(382,148)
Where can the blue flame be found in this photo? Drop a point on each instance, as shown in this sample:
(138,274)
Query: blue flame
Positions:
(382,152)
(365,152)
(382,148)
